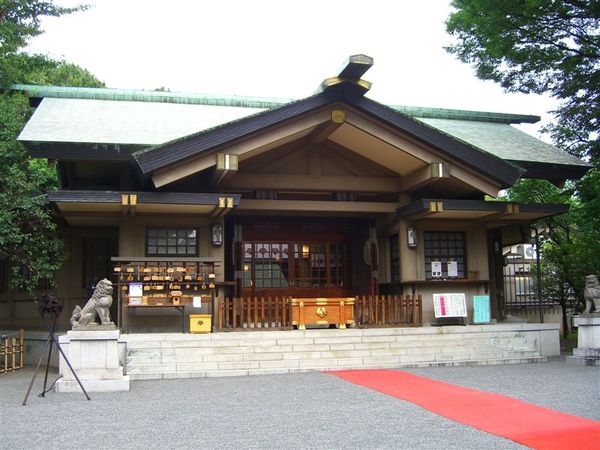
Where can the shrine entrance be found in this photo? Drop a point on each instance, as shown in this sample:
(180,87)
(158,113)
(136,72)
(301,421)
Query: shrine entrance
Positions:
(300,259)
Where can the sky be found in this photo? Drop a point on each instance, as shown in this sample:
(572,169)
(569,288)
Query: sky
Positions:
(276,49)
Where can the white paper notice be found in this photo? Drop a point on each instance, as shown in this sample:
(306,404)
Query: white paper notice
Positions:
(450,305)
(136,289)
(197,302)
(452,269)
(436,269)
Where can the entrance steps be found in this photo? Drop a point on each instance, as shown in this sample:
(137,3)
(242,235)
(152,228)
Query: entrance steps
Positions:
(155,356)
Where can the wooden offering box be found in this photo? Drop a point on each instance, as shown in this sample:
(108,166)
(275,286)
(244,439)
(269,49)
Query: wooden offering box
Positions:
(322,311)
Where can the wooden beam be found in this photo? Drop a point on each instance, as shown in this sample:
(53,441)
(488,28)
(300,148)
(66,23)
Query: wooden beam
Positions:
(429,210)
(355,163)
(226,166)
(223,206)
(313,206)
(421,152)
(323,131)
(362,85)
(314,160)
(132,203)
(312,183)
(355,67)
(424,176)
(245,148)
(269,161)
(511,209)
(125,204)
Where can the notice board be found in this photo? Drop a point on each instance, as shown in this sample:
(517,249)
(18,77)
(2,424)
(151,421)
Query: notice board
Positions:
(481,309)
(450,305)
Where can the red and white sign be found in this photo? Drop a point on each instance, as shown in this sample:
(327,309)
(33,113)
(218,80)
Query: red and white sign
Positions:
(450,305)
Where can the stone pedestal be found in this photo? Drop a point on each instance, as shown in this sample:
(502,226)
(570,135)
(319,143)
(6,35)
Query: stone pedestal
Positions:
(94,356)
(587,352)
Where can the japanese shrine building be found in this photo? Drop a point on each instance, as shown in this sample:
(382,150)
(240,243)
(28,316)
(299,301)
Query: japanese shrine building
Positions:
(334,195)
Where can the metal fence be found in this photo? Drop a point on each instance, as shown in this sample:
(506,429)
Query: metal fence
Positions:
(521,293)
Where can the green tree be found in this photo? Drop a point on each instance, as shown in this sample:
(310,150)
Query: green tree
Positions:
(569,244)
(29,237)
(553,47)
(538,46)
(20,21)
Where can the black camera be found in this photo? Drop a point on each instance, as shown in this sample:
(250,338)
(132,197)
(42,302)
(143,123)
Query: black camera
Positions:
(50,304)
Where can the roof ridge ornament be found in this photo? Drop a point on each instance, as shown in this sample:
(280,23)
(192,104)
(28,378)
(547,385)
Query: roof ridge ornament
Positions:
(350,75)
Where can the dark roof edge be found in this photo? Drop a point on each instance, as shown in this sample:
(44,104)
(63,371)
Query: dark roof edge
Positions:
(479,205)
(494,167)
(556,173)
(185,198)
(179,149)
(81,151)
(468,115)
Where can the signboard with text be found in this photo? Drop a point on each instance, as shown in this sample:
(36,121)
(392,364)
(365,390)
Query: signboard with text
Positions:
(481,309)
(450,305)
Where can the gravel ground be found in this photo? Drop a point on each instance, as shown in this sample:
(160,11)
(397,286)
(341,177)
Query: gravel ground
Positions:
(312,410)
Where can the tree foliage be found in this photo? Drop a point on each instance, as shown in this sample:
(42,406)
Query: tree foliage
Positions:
(538,46)
(20,21)
(29,238)
(569,242)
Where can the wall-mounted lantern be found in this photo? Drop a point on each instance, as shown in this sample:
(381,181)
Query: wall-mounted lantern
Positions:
(411,237)
(216,237)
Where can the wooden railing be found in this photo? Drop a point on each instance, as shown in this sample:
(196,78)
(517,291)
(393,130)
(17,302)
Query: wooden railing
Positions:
(253,313)
(376,310)
(11,351)
(275,312)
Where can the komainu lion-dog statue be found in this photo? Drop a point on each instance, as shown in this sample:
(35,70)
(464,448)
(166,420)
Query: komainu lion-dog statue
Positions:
(99,303)
(591,294)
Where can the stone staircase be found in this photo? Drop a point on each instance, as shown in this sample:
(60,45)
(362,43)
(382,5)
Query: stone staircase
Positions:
(155,356)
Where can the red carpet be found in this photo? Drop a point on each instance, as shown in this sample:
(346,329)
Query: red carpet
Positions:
(512,419)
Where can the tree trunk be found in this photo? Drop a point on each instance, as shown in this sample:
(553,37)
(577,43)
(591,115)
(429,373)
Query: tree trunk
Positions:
(565,320)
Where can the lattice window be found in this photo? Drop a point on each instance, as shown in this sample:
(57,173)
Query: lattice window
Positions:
(171,242)
(337,264)
(445,246)
(96,259)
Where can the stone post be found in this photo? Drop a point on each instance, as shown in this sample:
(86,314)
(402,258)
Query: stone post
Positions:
(94,355)
(587,352)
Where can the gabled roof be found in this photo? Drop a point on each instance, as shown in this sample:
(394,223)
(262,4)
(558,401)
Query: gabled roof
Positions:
(113,123)
(178,151)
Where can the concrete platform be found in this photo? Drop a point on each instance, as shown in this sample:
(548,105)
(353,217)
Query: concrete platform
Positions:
(243,353)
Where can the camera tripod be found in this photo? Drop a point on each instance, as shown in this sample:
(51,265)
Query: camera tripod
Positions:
(51,306)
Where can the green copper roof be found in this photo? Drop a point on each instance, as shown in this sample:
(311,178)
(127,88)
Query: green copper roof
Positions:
(147,96)
(149,118)
(504,141)
(248,102)
(459,114)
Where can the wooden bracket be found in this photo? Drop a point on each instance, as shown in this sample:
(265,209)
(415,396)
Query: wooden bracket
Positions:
(424,176)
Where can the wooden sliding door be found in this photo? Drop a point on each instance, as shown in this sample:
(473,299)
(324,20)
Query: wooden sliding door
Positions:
(298,268)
